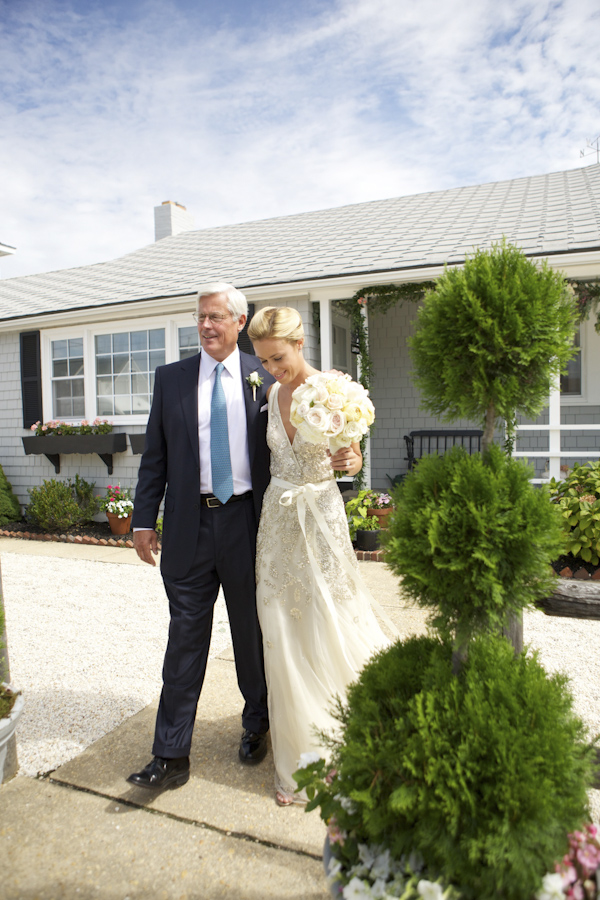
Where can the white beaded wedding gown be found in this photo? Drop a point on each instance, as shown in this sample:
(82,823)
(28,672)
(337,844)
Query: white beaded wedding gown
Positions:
(317,623)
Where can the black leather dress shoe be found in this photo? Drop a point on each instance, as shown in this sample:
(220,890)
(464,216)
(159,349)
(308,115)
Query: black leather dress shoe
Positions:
(253,747)
(160,773)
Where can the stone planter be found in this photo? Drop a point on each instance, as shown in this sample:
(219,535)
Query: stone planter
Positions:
(53,445)
(7,729)
(335,889)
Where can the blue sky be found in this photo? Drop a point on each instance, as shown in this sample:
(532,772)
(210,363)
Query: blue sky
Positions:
(246,110)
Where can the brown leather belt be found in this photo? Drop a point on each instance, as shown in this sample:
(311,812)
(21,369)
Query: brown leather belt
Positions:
(211,501)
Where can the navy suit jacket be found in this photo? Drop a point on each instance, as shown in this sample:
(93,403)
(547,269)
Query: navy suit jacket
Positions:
(171,458)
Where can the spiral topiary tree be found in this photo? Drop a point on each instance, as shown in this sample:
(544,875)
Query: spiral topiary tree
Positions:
(489,340)
(461,765)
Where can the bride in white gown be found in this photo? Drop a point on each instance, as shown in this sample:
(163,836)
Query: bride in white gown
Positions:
(316,618)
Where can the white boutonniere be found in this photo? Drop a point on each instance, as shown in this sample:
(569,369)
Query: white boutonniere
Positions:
(255,381)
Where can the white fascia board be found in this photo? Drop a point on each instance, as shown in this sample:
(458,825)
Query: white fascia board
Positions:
(574,265)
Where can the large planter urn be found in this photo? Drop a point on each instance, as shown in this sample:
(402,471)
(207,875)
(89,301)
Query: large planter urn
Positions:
(7,729)
(119,525)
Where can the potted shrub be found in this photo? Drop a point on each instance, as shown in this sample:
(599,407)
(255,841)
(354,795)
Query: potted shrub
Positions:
(368,534)
(460,767)
(357,512)
(118,506)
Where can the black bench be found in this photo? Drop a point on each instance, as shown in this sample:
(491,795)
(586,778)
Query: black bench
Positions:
(421,443)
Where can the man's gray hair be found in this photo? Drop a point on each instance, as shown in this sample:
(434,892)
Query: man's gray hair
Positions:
(236,301)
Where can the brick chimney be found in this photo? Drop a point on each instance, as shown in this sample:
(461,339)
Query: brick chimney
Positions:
(171,218)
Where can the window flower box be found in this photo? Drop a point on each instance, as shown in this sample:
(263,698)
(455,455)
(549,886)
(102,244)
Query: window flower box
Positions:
(137,442)
(52,446)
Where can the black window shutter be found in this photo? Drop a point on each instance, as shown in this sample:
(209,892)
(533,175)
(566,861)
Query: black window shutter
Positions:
(31,377)
(244,342)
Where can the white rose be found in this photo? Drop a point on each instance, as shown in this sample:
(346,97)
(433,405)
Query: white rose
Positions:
(322,394)
(335,401)
(318,418)
(299,412)
(353,432)
(337,424)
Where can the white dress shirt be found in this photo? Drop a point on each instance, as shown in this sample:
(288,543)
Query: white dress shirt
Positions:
(231,379)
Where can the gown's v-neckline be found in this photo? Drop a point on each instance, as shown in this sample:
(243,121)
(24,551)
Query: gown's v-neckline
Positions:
(291,443)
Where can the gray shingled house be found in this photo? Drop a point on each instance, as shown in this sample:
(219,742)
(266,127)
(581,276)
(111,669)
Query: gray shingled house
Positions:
(84,342)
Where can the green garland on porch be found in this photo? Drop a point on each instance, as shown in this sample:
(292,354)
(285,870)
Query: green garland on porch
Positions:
(377,298)
(587,294)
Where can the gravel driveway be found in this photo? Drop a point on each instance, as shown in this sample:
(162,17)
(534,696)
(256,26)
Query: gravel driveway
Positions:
(86,642)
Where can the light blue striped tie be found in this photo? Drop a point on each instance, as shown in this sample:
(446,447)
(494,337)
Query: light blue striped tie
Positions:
(220,460)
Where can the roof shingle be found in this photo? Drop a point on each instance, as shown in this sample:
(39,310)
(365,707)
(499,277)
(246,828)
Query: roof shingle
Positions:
(541,214)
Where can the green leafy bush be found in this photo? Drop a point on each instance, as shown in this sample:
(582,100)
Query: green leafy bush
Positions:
(369,523)
(10,510)
(483,774)
(472,538)
(356,512)
(84,494)
(58,505)
(578,498)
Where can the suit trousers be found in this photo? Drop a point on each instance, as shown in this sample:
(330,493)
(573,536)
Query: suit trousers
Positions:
(225,556)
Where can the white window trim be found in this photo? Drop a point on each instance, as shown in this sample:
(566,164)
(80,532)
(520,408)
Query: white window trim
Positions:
(581,399)
(171,324)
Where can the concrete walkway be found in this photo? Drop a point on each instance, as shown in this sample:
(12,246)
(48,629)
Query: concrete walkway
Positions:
(84,832)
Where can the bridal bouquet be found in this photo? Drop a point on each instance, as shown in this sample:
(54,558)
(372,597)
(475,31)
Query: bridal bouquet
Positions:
(331,408)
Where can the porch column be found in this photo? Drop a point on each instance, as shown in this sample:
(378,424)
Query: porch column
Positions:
(554,430)
(326,346)
(367,462)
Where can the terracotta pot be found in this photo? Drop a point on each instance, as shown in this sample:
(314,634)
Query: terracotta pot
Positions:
(117,525)
(382,514)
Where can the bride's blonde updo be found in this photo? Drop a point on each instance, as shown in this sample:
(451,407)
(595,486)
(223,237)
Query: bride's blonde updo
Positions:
(276,323)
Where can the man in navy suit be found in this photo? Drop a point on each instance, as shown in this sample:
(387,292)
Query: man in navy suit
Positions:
(198,404)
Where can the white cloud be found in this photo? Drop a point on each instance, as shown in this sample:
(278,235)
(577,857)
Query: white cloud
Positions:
(353,100)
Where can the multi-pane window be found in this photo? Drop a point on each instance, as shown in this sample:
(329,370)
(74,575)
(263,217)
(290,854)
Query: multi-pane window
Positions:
(189,342)
(570,382)
(125,364)
(68,399)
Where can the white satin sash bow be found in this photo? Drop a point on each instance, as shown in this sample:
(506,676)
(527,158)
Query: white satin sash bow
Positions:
(305,495)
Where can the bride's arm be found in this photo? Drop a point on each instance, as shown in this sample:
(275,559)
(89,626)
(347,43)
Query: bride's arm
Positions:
(348,459)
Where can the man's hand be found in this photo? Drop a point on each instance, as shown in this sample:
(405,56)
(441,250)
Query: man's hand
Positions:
(145,543)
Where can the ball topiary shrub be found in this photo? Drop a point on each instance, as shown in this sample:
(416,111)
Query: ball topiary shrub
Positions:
(10,510)
(472,538)
(481,774)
